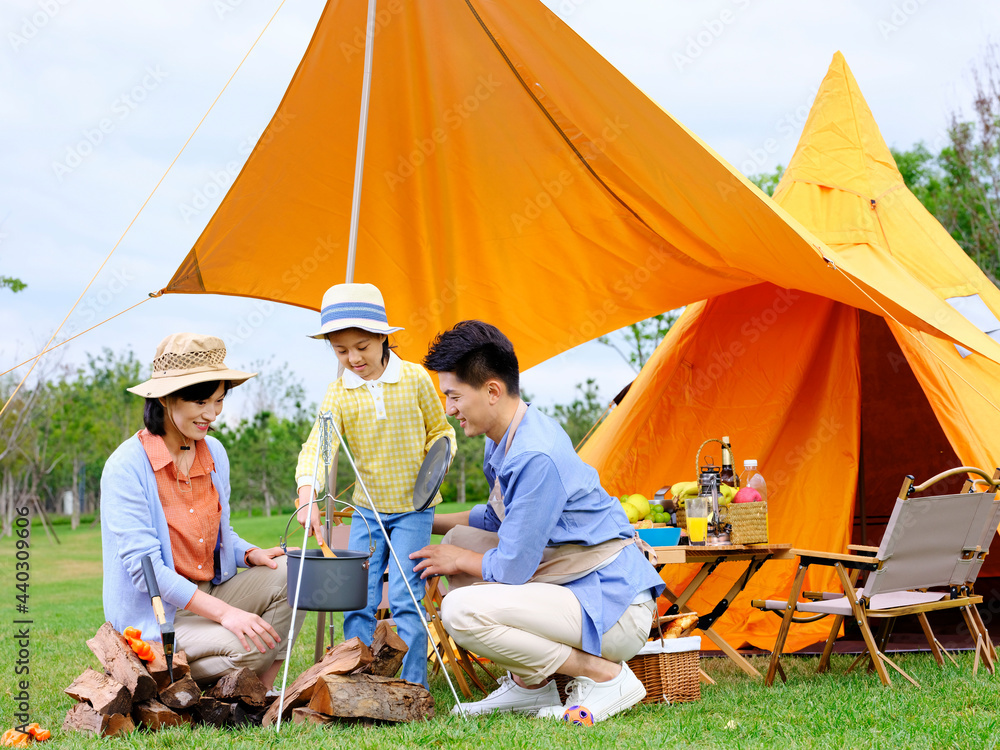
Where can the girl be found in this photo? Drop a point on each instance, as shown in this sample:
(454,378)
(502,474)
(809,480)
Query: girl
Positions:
(389,413)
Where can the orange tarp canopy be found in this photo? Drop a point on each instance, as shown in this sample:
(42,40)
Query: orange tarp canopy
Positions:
(816,389)
(514,175)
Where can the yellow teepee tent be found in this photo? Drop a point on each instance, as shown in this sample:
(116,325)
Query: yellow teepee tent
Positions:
(514,175)
(813,388)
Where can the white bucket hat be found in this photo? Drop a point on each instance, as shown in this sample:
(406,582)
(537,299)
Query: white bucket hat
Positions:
(184,359)
(353,306)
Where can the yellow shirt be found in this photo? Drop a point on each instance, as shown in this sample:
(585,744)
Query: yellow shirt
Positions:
(390,424)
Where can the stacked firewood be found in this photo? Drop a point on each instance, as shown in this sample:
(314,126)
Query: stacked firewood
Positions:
(352,681)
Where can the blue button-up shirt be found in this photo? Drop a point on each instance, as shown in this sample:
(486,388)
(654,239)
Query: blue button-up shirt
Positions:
(551,497)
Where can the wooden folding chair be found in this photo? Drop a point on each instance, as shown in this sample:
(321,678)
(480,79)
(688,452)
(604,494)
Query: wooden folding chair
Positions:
(929,542)
(461,662)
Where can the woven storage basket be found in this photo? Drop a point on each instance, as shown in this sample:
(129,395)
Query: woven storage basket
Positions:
(668,670)
(749,522)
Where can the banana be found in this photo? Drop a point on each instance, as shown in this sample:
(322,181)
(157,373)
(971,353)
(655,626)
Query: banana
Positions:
(682,489)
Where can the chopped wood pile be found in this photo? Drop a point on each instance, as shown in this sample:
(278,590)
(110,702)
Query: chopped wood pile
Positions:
(352,682)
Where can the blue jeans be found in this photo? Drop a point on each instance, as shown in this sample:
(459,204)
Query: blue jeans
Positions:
(408,533)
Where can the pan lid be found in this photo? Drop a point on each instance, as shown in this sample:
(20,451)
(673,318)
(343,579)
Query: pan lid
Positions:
(431,474)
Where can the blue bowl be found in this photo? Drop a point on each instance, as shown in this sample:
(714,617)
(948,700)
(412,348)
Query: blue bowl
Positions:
(666,536)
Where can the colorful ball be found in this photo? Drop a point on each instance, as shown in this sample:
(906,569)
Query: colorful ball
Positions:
(579,715)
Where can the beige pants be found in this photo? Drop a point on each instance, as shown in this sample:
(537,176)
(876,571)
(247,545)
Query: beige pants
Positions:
(532,629)
(213,651)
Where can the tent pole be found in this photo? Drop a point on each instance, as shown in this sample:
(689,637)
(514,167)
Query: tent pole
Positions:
(862,502)
(359,162)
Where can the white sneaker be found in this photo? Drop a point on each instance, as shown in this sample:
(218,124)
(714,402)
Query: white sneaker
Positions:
(602,699)
(512,697)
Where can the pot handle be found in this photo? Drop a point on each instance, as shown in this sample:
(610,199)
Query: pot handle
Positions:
(284,538)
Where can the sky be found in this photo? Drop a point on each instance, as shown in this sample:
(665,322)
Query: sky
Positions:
(98,97)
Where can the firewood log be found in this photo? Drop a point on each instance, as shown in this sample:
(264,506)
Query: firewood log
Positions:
(182,694)
(154,715)
(371,697)
(388,650)
(215,712)
(104,694)
(242,685)
(303,715)
(83,718)
(118,658)
(158,667)
(343,659)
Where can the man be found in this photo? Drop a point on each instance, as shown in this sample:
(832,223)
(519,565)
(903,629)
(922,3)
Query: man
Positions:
(570,594)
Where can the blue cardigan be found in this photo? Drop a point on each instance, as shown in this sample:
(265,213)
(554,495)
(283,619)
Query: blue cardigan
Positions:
(133,525)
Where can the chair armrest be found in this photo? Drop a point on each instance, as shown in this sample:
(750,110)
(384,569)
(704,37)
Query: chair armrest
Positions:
(863,549)
(853,562)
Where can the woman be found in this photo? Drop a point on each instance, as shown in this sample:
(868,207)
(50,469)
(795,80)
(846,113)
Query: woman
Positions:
(165,494)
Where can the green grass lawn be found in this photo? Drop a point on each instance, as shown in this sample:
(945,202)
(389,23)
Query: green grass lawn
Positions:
(950,709)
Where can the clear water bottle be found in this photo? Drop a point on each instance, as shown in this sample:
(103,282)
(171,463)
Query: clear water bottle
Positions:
(751,477)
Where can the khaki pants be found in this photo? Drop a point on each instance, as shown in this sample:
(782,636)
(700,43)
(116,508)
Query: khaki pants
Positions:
(211,650)
(531,629)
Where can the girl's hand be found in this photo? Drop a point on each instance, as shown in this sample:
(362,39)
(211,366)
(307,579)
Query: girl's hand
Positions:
(315,525)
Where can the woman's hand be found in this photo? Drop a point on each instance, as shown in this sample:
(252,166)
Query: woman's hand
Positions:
(315,525)
(258,556)
(250,627)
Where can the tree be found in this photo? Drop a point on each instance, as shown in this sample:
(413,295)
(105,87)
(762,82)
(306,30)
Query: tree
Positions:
(767,181)
(580,415)
(960,185)
(15,285)
(264,446)
(635,343)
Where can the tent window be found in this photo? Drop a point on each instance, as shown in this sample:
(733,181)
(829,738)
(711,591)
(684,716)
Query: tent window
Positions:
(976,311)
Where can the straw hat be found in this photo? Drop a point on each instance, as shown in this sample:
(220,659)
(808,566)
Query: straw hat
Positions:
(184,359)
(353,306)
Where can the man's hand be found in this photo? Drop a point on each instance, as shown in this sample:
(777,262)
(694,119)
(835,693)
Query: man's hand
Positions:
(247,626)
(315,525)
(445,560)
(258,556)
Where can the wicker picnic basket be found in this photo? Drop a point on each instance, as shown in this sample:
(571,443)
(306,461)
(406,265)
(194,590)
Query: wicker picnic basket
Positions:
(668,669)
(749,522)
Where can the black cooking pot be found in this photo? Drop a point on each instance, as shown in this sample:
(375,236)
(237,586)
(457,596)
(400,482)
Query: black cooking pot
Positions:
(329,584)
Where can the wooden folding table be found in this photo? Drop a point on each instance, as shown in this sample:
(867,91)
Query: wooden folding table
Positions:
(710,557)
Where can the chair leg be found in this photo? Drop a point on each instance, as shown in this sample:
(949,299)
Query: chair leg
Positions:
(882,657)
(786,622)
(974,611)
(824,660)
(978,637)
(862,620)
(781,672)
(885,633)
(931,640)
